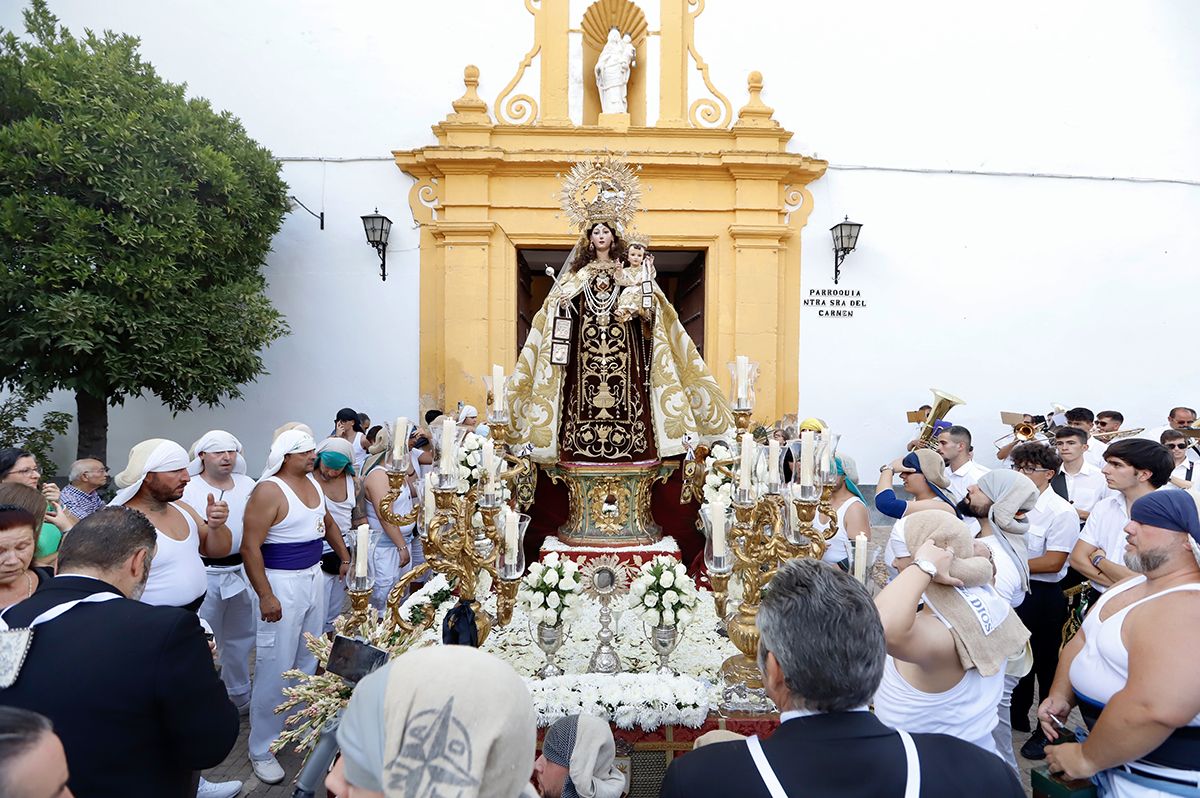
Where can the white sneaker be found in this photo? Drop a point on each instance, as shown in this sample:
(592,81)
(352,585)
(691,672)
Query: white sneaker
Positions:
(268,771)
(223,789)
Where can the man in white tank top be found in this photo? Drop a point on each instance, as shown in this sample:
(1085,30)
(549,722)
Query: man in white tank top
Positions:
(1131,668)
(282,530)
(230,605)
(153,483)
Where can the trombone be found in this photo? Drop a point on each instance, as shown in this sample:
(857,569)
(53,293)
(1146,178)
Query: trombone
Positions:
(1022,430)
(1117,434)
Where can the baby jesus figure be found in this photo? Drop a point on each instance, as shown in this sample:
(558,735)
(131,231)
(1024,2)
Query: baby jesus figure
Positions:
(637,281)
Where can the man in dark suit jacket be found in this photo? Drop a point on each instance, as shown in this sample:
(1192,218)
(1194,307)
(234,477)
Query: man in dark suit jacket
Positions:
(131,688)
(822,652)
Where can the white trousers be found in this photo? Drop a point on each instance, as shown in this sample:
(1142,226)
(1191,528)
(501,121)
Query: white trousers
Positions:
(335,598)
(280,647)
(231,608)
(385,563)
(1002,733)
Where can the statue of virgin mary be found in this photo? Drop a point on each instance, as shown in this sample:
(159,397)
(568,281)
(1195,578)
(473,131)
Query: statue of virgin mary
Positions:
(594,385)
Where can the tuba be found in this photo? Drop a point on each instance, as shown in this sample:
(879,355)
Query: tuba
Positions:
(942,403)
(1117,434)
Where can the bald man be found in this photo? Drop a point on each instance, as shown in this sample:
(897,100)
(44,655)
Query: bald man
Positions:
(82,496)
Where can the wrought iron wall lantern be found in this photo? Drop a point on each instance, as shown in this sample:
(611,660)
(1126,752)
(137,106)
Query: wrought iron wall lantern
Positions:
(378,227)
(845,238)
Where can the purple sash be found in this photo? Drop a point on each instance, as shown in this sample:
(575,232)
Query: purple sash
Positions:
(292,556)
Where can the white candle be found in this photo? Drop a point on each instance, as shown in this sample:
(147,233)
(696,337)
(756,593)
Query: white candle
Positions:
(719,546)
(773,461)
(510,535)
(401,440)
(449,430)
(826,454)
(362,549)
(860,557)
(489,486)
(806,458)
(747,460)
(497,388)
(743,379)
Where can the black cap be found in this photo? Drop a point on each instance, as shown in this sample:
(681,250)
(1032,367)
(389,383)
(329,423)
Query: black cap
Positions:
(348,414)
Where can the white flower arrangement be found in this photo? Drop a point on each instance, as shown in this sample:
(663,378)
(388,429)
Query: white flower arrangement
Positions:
(427,599)
(664,592)
(470,470)
(718,487)
(550,592)
(629,700)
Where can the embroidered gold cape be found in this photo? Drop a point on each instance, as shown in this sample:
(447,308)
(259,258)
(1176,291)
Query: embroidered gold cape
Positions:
(684,397)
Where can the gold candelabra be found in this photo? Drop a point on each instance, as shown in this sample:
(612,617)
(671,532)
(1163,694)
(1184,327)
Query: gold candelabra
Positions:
(772,523)
(452,545)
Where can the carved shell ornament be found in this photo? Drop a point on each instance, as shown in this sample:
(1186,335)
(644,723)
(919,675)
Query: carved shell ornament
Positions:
(601,190)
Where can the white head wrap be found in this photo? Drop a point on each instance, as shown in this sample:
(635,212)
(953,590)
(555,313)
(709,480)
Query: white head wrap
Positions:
(456,710)
(153,456)
(217,440)
(468,411)
(291,442)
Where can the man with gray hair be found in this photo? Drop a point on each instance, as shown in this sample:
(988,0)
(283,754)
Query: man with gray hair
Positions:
(821,651)
(577,760)
(82,496)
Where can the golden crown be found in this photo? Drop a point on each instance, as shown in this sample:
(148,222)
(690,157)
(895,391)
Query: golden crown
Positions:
(632,237)
(601,190)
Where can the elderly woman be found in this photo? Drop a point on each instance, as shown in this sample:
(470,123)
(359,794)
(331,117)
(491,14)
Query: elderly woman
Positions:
(923,474)
(18,577)
(19,467)
(946,660)
(441,720)
(1131,669)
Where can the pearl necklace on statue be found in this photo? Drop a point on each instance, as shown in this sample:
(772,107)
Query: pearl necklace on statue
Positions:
(601,302)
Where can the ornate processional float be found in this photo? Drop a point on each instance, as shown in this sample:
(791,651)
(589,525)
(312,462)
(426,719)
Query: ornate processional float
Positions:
(607,385)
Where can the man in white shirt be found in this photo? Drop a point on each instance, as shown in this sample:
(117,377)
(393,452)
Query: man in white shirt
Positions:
(1179,418)
(1085,482)
(1178,444)
(1053,530)
(1081,418)
(954,445)
(1133,468)
(230,605)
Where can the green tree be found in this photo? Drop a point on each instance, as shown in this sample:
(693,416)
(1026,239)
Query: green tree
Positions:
(134,223)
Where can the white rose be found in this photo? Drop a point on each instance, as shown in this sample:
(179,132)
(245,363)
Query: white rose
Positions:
(553,601)
(570,567)
(550,577)
(568,583)
(670,598)
(680,571)
(473,459)
(536,600)
(650,600)
(650,616)
(668,616)
(725,491)
(464,472)
(685,616)
(637,589)
(667,579)
(549,617)
(713,480)
(551,559)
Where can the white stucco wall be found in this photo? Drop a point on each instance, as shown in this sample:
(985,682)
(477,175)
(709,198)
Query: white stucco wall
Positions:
(1011,291)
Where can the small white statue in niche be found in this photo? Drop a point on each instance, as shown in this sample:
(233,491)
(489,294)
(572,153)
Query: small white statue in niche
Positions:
(612,72)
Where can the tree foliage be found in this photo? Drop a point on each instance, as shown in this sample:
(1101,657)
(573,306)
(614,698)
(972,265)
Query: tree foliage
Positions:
(37,439)
(134,223)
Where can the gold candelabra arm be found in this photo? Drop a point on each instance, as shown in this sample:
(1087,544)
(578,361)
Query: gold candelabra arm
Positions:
(720,589)
(506,599)
(741,420)
(360,605)
(397,482)
(396,597)
(825,507)
(806,513)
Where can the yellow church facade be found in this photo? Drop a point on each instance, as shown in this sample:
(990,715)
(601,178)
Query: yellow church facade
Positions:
(724,202)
